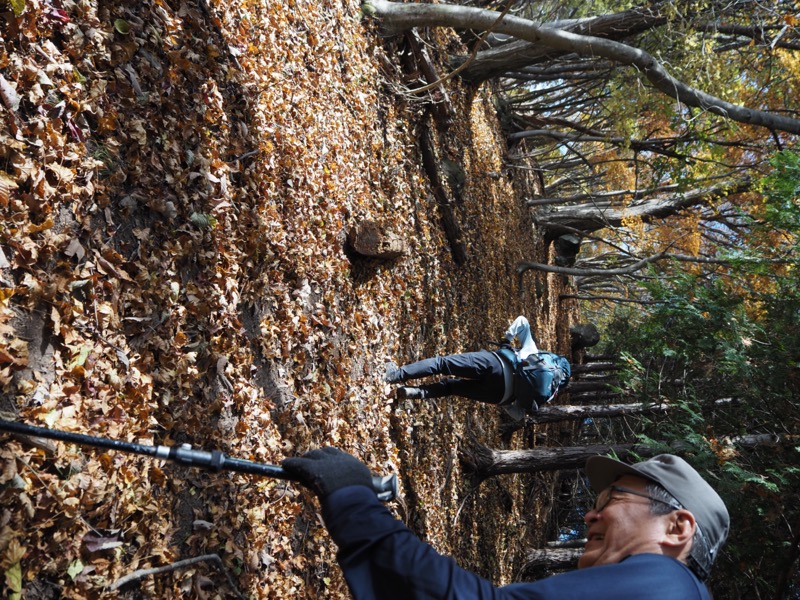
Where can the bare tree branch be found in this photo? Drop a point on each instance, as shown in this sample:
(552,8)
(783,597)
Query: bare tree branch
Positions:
(398,17)
(637,266)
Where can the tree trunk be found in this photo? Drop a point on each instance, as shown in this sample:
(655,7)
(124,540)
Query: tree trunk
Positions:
(440,104)
(555,559)
(595,367)
(517,55)
(579,543)
(571,412)
(582,387)
(590,397)
(587,218)
(452,231)
(590,358)
(792,555)
(550,414)
(486,462)
(633,267)
(397,17)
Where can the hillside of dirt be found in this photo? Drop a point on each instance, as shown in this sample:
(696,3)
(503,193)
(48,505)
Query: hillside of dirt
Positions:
(177,186)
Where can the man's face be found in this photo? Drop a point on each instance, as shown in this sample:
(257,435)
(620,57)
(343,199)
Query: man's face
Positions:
(624,527)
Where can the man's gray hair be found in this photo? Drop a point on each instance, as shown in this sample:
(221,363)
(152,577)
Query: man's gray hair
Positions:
(700,558)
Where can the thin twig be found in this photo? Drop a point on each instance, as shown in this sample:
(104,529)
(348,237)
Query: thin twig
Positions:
(469,60)
(282,496)
(142,573)
(466,497)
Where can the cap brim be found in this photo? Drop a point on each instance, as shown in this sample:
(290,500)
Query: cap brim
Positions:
(603,471)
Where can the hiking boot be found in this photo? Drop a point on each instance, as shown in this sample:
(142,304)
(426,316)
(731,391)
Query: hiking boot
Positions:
(410,393)
(392,373)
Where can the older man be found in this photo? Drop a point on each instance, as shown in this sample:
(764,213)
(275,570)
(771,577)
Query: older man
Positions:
(654,532)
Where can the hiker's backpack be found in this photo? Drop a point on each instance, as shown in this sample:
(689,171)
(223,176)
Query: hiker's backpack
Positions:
(537,378)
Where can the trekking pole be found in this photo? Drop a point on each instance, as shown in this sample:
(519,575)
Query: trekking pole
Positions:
(385,486)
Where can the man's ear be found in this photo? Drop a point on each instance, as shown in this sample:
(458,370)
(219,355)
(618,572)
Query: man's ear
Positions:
(680,529)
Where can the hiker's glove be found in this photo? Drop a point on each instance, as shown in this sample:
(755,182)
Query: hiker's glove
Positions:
(326,470)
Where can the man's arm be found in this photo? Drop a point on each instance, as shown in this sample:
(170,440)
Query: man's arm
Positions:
(382,559)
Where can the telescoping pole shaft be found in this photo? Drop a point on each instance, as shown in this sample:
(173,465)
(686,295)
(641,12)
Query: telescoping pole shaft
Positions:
(385,486)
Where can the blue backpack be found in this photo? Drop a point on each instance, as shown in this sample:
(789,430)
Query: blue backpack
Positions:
(537,378)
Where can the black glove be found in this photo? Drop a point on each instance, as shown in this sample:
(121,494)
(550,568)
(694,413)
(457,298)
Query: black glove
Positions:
(326,470)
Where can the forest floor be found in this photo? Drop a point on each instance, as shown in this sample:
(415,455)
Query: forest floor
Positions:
(179,182)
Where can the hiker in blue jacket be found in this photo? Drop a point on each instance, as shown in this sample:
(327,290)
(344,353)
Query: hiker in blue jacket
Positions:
(654,532)
(518,379)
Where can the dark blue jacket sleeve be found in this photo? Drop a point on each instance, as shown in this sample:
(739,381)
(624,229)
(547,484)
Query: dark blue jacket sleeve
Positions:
(383,560)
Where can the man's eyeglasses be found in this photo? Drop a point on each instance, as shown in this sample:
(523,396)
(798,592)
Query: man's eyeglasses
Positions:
(605,497)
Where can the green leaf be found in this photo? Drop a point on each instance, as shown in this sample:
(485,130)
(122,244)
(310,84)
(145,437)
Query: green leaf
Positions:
(122,26)
(14,578)
(80,360)
(203,221)
(75,569)
(18,6)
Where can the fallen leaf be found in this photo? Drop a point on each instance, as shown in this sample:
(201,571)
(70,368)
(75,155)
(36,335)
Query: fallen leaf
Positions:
(75,248)
(94,542)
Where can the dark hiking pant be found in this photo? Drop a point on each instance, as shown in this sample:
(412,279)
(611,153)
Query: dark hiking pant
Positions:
(474,375)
